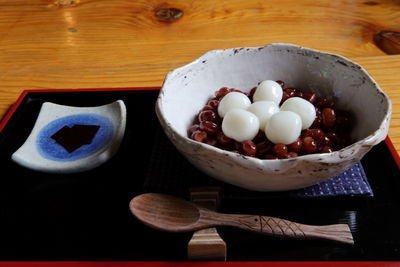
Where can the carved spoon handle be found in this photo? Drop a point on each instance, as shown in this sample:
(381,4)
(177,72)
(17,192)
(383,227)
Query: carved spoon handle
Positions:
(280,227)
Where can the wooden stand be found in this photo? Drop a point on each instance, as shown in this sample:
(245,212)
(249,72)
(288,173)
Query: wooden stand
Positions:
(206,244)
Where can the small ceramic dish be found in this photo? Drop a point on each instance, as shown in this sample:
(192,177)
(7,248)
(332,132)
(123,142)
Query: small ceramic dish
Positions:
(68,139)
(186,90)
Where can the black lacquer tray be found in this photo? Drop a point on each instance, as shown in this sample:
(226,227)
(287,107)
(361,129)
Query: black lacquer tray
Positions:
(85,216)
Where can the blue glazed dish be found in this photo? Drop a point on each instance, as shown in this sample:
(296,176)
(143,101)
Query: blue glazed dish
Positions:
(58,144)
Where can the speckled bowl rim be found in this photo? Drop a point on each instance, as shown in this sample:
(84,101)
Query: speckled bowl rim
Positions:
(370,140)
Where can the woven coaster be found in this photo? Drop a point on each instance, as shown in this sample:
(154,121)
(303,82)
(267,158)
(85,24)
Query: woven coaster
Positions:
(169,172)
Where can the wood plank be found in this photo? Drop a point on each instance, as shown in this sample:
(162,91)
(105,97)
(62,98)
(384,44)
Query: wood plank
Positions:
(344,27)
(108,35)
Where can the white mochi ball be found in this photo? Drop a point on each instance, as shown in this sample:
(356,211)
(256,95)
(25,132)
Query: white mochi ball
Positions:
(268,90)
(233,100)
(283,127)
(240,125)
(263,110)
(303,108)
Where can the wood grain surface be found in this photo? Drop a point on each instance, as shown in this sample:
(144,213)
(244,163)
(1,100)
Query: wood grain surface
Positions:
(122,43)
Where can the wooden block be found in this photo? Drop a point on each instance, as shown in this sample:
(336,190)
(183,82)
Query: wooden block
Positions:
(206,244)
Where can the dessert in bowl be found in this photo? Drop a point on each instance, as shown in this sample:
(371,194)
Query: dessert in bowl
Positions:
(188,89)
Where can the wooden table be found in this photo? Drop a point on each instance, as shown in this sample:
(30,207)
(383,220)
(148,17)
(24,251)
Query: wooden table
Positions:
(124,43)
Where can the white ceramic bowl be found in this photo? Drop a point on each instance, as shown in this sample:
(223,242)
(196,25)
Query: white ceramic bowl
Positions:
(186,90)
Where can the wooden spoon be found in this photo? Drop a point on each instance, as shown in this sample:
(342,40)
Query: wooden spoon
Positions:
(168,213)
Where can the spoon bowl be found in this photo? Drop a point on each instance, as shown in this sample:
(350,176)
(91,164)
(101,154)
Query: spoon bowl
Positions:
(164,212)
(169,213)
